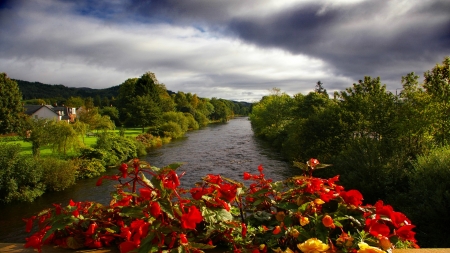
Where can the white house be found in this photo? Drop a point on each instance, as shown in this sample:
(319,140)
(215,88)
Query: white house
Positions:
(50,112)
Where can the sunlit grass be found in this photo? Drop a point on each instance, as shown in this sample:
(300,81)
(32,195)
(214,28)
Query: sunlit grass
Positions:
(89,141)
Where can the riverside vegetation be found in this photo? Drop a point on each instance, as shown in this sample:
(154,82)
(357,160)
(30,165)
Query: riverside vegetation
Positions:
(392,146)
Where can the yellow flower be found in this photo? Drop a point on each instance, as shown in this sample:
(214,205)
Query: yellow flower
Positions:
(365,248)
(304,221)
(313,245)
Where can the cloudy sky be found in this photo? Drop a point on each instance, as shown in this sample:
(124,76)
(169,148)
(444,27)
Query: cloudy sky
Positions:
(232,49)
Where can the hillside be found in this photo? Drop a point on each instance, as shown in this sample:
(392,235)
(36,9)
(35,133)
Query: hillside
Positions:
(32,90)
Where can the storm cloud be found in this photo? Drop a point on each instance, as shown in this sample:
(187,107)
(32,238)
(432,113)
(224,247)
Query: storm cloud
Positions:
(227,49)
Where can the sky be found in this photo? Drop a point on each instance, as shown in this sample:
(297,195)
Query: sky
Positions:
(231,49)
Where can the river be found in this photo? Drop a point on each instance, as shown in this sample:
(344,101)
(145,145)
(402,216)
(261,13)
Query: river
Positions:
(228,149)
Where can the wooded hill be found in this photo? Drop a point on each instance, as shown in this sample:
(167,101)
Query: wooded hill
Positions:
(36,90)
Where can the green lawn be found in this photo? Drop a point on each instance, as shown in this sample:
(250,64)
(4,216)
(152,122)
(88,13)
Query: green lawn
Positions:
(88,141)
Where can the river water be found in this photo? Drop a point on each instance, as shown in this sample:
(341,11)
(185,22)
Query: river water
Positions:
(228,149)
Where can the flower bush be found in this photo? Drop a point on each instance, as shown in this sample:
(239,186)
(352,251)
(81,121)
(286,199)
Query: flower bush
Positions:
(150,212)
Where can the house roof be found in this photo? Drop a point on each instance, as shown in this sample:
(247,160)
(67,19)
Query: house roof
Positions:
(30,109)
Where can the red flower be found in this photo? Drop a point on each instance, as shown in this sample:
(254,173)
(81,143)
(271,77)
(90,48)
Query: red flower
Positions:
(213,179)
(260,168)
(145,193)
(124,169)
(127,246)
(406,233)
(247,176)
(155,209)
(313,162)
(171,180)
(228,191)
(183,239)
(352,197)
(29,222)
(197,193)
(244,230)
(189,220)
(375,228)
(34,241)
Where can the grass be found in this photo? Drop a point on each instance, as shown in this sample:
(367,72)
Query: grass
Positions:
(88,141)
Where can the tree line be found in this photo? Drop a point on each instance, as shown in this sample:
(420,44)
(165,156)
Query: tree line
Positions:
(390,146)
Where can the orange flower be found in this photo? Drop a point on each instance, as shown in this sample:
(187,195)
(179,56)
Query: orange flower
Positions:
(327,221)
(276,230)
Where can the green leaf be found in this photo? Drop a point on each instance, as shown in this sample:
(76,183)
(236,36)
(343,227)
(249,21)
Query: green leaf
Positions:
(145,180)
(201,245)
(166,206)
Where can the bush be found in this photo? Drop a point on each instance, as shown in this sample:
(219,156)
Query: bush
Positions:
(201,119)
(20,178)
(57,174)
(88,168)
(172,130)
(428,201)
(192,123)
(118,148)
(177,117)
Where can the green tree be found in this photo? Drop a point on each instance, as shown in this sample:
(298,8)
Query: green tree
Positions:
(38,132)
(112,112)
(271,115)
(437,84)
(11,108)
(146,112)
(76,102)
(63,137)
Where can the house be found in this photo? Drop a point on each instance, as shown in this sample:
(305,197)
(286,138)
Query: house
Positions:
(50,112)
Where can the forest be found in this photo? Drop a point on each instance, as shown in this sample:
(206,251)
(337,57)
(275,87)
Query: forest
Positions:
(390,146)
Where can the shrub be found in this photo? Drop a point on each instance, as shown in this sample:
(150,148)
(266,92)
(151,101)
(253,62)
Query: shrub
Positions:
(177,117)
(57,175)
(201,119)
(88,168)
(118,148)
(192,123)
(20,178)
(172,130)
(429,197)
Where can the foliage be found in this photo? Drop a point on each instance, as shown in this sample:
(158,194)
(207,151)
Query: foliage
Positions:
(20,177)
(149,141)
(88,168)
(63,137)
(11,109)
(57,174)
(156,215)
(430,194)
(172,130)
(271,115)
(37,131)
(117,148)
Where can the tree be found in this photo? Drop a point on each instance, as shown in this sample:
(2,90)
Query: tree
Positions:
(38,132)
(112,112)
(76,102)
(146,112)
(63,137)
(11,108)
(272,114)
(437,84)
(319,88)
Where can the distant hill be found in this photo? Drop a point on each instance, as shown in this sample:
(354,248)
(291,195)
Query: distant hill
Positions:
(33,90)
